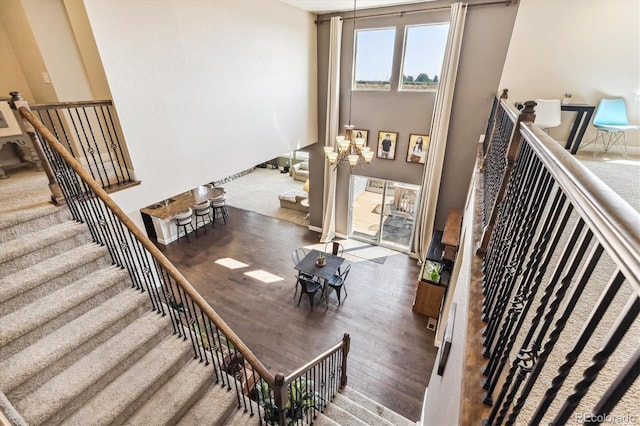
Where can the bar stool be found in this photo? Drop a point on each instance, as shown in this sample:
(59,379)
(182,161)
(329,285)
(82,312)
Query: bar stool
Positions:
(219,208)
(203,210)
(183,219)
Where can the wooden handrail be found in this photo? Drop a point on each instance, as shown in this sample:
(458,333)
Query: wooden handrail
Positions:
(315,361)
(148,245)
(612,220)
(74,104)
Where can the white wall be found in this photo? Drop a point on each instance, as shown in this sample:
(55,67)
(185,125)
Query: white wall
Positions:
(589,48)
(11,74)
(205,89)
(27,52)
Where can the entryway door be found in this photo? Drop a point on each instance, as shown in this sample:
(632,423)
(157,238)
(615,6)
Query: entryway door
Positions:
(382,212)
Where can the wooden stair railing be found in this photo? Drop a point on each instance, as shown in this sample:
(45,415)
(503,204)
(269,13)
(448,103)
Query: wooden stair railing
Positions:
(213,341)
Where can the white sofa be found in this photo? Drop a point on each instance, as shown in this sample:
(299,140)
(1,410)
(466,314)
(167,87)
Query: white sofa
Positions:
(300,171)
(293,199)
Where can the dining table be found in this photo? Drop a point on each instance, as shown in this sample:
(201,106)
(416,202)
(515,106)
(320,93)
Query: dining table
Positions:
(309,266)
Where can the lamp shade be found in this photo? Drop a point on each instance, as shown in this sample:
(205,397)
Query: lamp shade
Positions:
(306,186)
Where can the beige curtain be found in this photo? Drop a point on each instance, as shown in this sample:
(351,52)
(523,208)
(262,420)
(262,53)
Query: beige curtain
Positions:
(333,106)
(439,132)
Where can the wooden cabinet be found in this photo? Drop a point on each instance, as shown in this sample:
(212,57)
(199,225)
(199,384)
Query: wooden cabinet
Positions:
(428,299)
(440,256)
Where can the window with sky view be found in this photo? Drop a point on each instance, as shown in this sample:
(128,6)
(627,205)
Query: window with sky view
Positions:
(374,58)
(424,47)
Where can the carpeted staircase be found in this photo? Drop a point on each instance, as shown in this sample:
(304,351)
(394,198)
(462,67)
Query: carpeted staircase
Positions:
(80,346)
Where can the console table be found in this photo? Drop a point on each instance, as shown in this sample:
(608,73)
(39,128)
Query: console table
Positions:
(17,151)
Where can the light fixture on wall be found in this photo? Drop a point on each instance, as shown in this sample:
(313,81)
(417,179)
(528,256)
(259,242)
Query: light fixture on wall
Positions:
(350,149)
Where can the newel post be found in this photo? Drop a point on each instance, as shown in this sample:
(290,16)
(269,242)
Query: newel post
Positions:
(281,395)
(346,339)
(526,114)
(18,101)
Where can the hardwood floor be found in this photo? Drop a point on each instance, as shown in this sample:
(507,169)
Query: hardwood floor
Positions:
(392,352)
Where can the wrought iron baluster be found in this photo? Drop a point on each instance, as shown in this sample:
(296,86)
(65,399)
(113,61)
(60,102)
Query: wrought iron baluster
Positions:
(572,356)
(618,330)
(560,323)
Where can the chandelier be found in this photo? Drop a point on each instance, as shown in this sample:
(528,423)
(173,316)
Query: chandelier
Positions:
(350,148)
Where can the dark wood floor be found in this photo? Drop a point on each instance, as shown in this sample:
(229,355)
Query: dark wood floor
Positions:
(392,352)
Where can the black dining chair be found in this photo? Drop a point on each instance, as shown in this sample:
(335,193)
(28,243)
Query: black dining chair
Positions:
(297,255)
(337,249)
(310,288)
(337,281)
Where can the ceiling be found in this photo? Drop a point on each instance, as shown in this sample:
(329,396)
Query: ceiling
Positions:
(329,6)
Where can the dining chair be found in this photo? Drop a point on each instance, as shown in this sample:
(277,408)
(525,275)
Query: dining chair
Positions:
(310,288)
(337,249)
(337,283)
(297,255)
(548,113)
(611,123)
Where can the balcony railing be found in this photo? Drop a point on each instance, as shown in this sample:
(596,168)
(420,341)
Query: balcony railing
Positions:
(276,398)
(561,279)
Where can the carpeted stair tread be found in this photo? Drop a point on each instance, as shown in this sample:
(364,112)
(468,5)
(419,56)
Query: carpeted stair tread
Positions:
(45,271)
(322,420)
(238,417)
(32,241)
(203,412)
(359,411)
(41,311)
(51,348)
(341,416)
(119,399)
(67,391)
(171,402)
(31,248)
(376,407)
(20,216)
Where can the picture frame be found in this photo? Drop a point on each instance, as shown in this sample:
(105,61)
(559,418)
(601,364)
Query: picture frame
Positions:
(10,125)
(364,134)
(418,148)
(387,142)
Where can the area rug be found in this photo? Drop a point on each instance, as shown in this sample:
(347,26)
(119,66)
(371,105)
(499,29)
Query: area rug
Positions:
(357,251)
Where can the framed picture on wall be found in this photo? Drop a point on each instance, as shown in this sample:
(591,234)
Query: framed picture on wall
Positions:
(387,145)
(360,133)
(418,146)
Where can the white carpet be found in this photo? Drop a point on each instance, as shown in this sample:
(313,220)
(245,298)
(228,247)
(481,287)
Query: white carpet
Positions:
(620,174)
(258,192)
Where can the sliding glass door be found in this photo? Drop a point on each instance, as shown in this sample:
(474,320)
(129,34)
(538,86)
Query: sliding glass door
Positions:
(382,212)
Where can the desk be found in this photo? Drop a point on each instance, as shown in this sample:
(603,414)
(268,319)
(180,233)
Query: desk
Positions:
(581,122)
(308,265)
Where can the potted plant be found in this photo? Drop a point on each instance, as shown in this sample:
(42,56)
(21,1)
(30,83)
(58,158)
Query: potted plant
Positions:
(321,260)
(301,399)
(566,98)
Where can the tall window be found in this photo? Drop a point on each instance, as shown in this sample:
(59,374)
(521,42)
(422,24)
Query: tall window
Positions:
(424,47)
(373,59)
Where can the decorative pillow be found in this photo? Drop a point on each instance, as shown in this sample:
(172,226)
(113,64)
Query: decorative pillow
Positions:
(304,165)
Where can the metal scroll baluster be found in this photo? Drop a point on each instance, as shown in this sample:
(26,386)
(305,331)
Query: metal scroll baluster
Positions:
(618,330)
(560,323)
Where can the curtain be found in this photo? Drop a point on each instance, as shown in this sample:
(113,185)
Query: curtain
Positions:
(333,106)
(439,132)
